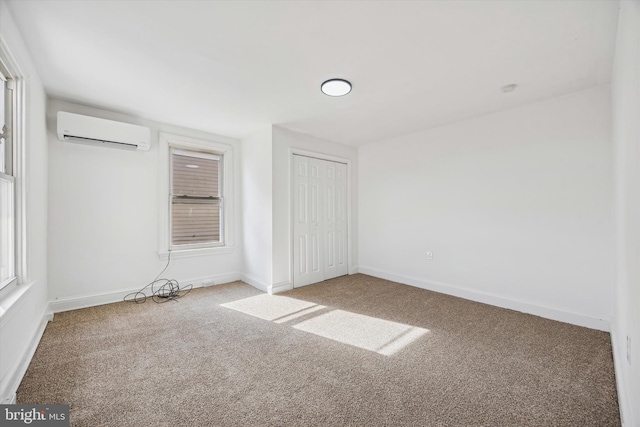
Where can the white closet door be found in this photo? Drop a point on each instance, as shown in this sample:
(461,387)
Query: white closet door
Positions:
(335,220)
(307,228)
(319,220)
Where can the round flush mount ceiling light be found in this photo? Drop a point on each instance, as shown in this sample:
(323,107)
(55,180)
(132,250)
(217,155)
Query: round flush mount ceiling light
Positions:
(336,87)
(509,88)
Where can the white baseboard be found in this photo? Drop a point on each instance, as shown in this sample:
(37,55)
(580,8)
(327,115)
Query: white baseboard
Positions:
(619,359)
(75,303)
(496,300)
(354,270)
(15,374)
(255,282)
(280,287)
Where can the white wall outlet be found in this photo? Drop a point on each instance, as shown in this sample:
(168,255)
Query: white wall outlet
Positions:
(429,255)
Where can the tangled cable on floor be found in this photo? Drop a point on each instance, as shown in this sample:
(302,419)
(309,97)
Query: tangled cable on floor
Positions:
(162,290)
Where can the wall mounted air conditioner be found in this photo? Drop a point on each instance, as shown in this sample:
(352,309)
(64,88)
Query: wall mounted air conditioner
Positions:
(100,132)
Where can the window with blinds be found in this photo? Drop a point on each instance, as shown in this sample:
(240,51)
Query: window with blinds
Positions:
(196,198)
(7,182)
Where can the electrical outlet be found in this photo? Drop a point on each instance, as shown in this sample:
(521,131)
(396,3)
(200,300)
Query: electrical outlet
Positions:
(429,255)
(628,349)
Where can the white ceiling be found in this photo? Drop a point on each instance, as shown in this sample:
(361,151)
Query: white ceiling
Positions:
(233,67)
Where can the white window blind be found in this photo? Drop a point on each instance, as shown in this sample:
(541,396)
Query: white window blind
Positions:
(196,198)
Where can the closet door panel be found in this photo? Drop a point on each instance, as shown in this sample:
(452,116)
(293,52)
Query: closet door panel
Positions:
(335,208)
(320,220)
(307,256)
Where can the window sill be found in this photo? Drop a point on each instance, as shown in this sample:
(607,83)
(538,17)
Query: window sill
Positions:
(12,296)
(8,283)
(187,253)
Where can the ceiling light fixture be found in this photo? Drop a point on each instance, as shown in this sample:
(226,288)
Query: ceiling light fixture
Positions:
(509,88)
(336,87)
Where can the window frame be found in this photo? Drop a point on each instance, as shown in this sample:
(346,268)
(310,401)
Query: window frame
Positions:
(12,71)
(6,169)
(167,143)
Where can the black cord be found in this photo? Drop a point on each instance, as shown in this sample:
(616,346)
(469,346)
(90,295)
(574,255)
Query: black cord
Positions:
(167,290)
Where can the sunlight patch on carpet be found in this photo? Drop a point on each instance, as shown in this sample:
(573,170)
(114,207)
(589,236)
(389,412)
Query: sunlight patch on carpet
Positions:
(369,333)
(274,308)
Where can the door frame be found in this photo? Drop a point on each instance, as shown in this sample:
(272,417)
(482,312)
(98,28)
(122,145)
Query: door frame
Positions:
(331,158)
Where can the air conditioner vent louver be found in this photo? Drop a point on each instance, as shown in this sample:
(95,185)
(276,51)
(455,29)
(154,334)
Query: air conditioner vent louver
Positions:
(101,132)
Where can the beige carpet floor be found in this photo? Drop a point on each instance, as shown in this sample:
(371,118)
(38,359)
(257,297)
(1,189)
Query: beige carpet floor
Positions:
(355,351)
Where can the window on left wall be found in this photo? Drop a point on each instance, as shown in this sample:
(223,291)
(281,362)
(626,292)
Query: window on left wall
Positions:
(7,181)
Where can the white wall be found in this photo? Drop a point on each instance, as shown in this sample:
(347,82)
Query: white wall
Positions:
(103,218)
(257,194)
(516,207)
(284,143)
(626,139)
(22,324)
